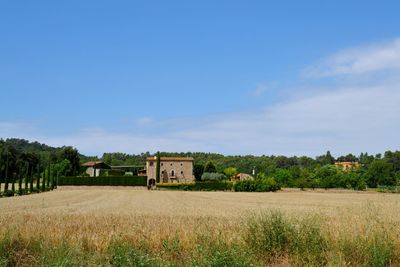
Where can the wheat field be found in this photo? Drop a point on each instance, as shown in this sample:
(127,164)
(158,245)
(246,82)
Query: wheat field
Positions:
(92,218)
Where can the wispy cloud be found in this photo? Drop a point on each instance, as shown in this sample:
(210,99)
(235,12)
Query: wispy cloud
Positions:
(263,88)
(357,61)
(260,89)
(142,121)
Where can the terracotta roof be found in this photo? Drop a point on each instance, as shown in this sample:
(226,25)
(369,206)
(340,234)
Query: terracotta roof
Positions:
(170,159)
(96,164)
(92,163)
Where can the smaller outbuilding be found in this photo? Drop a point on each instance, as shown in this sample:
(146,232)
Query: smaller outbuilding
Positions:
(241,177)
(93,168)
(347,165)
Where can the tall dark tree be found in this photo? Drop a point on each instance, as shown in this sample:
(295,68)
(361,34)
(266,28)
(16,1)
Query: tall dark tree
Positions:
(72,155)
(198,170)
(38,179)
(13,183)
(1,165)
(158,167)
(6,174)
(326,159)
(380,173)
(394,159)
(26,177)
(44,180)
(210,167)
(52,177)
(366,159)
(20,184)
(31,180)
(48,174)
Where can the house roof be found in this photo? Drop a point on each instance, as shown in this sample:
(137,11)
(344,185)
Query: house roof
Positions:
(170,159)
(346,163)
(99,163)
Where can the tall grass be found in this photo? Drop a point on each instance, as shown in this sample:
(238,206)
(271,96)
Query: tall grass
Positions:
(261,239)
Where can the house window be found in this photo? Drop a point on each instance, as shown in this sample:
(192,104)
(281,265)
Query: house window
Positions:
(172,173)
(162,164)
(181,172)
(181,164)
(151,163)
(171,164)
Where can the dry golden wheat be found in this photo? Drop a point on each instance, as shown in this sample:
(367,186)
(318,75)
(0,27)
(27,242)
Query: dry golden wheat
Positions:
(94,216)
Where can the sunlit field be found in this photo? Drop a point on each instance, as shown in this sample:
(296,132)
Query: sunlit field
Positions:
(132,226)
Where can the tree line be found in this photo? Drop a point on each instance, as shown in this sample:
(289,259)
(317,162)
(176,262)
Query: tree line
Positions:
(34,167)
(19,157)
(296,171)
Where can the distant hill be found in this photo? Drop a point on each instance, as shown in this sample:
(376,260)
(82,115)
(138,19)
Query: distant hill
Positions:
(23,145)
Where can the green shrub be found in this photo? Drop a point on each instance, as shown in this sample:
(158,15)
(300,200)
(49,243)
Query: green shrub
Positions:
(307,245)
(198,186)
(104,180)
(269,233)
(388,189)
(264,185)
(212,176)
(275,235)
(122,254)
(8,193)
(377,250)
(15,251)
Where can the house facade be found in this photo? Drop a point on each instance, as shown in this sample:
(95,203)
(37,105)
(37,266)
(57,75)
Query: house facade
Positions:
(172,169)
(348,166)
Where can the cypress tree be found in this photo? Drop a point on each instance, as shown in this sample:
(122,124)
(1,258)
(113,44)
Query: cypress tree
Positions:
(53,171)
(210,167)
(12,184)
(38,179)
(26,177)
(48,174)
(1,167)
(158,163)
(31,181)
(56,182)
(44,180)
(52,177)
(6,177)
(20,184)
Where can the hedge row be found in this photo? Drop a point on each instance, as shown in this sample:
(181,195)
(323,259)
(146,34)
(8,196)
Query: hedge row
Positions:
(265,185)
(198,186)
(105,180)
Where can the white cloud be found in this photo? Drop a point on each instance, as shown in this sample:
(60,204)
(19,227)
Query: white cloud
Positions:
(263,88)
(260,89)
(362,60)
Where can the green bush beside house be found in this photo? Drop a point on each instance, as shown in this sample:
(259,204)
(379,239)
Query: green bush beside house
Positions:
(198,186)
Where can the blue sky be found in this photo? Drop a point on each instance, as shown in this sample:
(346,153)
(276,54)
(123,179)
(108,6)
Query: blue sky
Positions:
(234,77)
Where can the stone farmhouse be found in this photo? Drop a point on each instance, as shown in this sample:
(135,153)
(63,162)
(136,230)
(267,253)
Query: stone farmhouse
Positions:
(348,166)
(172,170)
